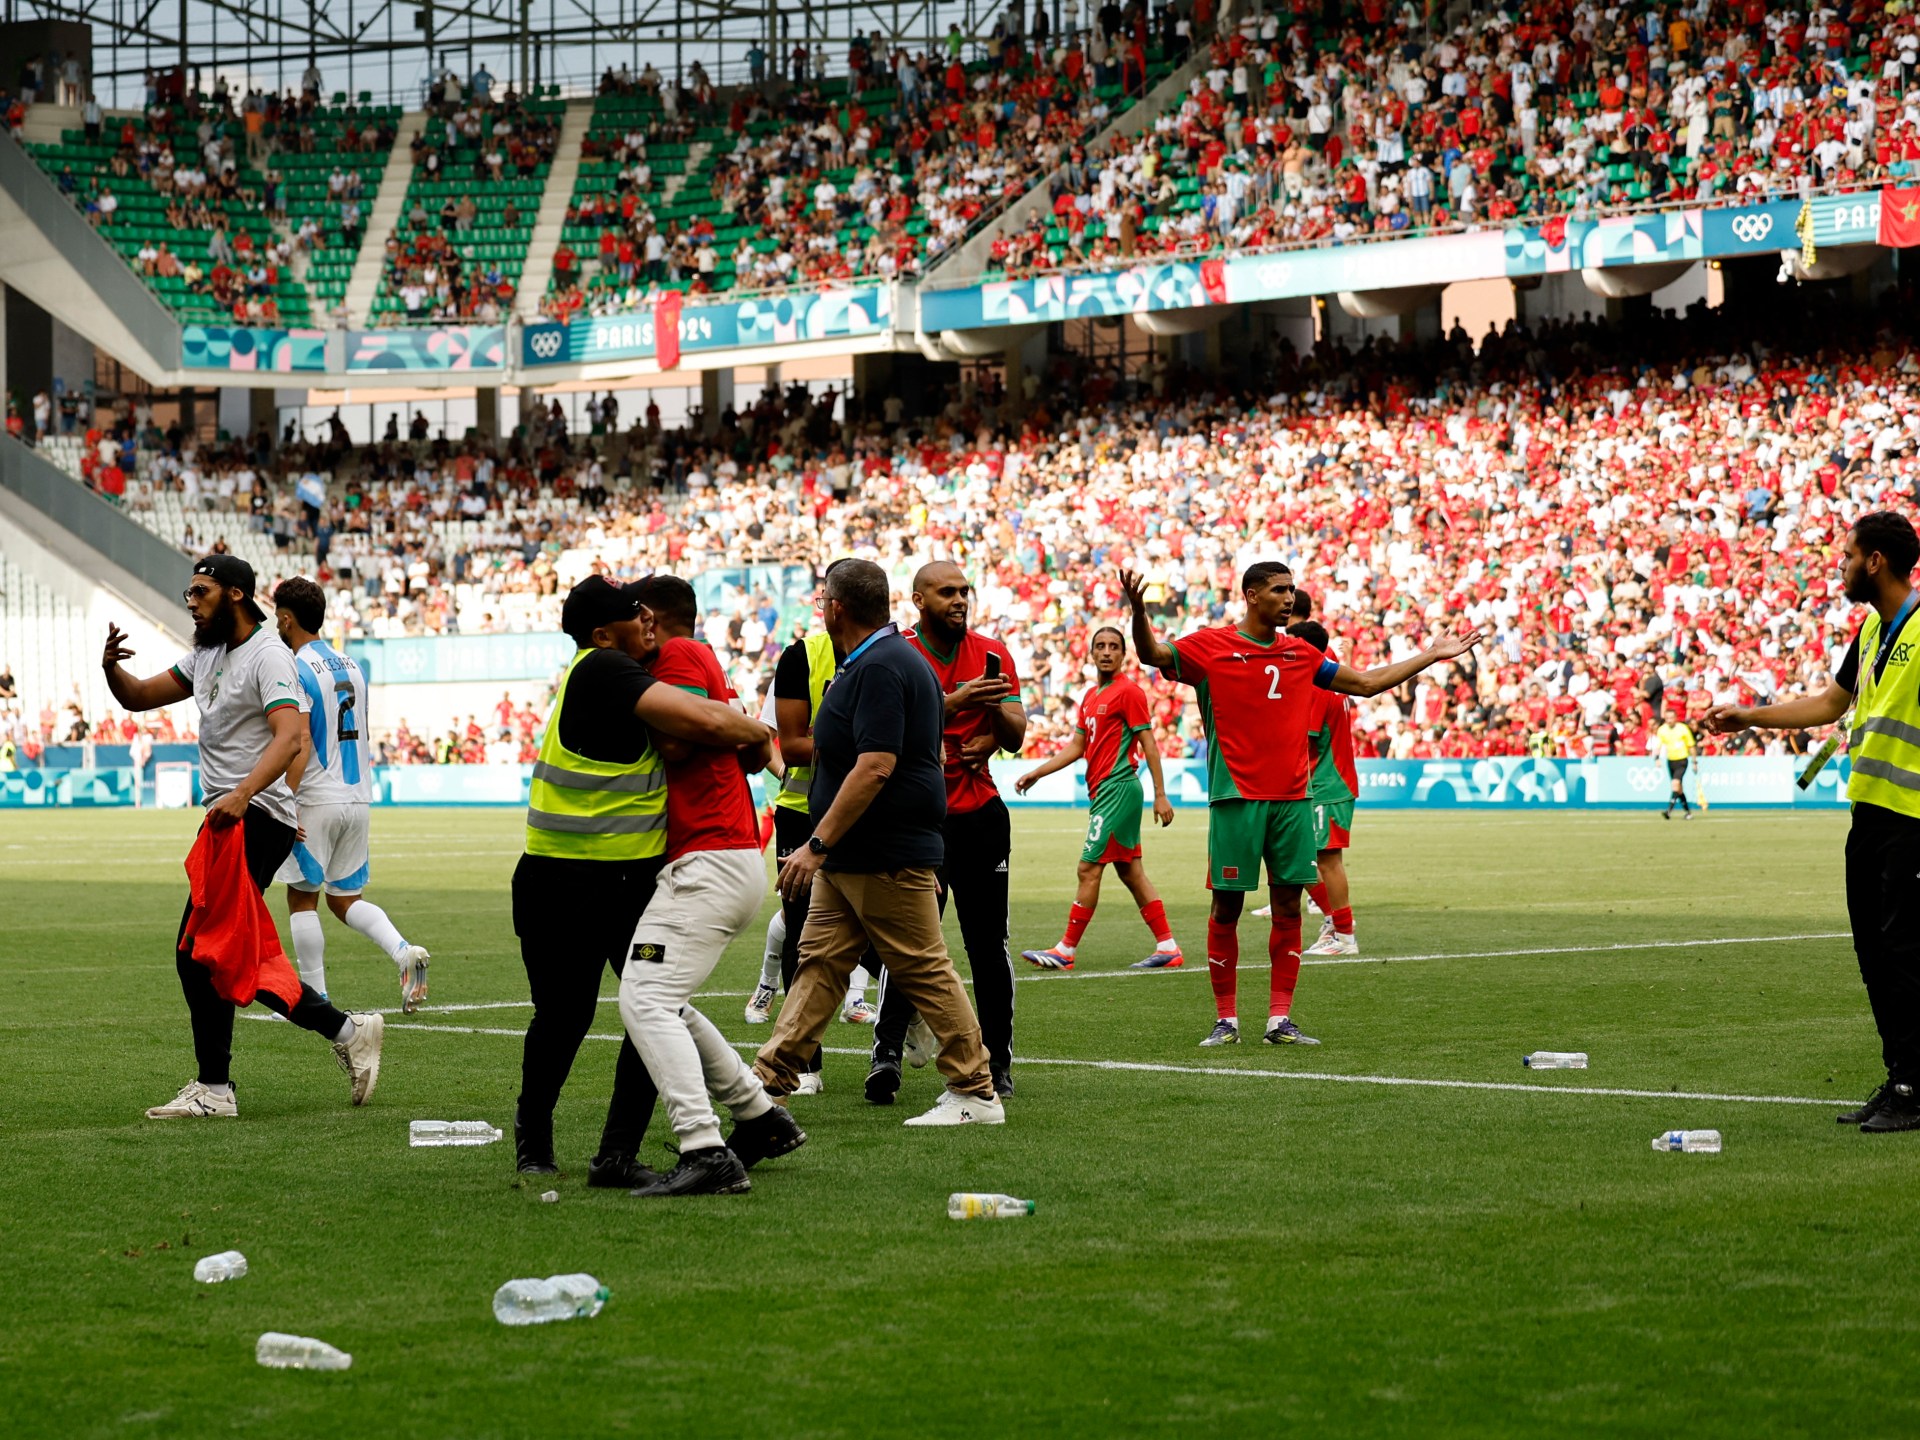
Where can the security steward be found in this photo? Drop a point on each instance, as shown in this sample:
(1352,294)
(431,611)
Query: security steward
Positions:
(1880,679)
(596,843)
(800,681)
(983,715)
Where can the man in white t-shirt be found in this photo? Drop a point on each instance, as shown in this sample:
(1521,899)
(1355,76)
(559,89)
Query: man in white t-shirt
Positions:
(252,712)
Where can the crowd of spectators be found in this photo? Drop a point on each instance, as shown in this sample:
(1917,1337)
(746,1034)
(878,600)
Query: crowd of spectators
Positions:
(1385,123)
(1640,517)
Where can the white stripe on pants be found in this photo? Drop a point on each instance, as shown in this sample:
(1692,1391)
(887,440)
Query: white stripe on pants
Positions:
(702,902)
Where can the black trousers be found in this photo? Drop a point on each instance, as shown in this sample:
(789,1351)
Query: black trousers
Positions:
(790,831)
(1883,906)
(268,843)
(574,919)
(979,845)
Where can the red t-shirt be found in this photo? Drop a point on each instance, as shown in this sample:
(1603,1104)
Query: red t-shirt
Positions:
(1112,718)
(1333,721)
(967,789)
(709,806)
(1257,703)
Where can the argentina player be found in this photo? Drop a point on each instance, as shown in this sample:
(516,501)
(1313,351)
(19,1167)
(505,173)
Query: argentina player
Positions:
(335,796)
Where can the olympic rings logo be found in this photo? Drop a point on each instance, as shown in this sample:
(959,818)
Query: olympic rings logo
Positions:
(545,343)
(1751,229)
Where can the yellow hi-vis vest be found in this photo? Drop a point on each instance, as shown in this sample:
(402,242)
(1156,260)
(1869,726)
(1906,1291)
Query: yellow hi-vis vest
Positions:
(581,809)
(820,668)
(1885,745)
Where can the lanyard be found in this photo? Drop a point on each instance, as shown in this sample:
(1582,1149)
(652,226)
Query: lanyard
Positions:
(861,648)
(1887,635)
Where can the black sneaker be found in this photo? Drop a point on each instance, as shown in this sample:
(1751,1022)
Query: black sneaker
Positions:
(765,1136)
(883,1080)
(715,1170)
(533,1145)
(619,1172)
(1003,1083)
(1899,1110)
(1867,1111)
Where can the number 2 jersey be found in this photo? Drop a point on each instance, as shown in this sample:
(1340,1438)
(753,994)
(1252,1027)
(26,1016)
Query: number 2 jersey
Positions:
(1258,703)
(1113,717)
(338,772)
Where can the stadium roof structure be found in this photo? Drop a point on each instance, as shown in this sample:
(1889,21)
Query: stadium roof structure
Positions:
(391,49)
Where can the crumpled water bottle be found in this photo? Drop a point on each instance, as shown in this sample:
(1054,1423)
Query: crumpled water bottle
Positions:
(558,1297)
(1555,1060)
(298,1352)
(451,1132)
(227,1265)
(986,1207)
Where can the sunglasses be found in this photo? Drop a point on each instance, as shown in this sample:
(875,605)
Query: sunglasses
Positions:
(198,592)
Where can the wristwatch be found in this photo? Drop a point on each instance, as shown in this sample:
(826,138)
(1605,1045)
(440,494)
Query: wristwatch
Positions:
(816,845)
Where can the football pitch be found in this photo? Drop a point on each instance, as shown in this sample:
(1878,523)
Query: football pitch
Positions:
(1399,1232)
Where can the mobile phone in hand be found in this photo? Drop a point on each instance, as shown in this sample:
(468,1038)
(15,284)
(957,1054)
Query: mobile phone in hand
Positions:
(993,666)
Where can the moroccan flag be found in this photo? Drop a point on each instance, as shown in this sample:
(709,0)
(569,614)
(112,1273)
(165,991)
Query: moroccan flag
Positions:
(1554,231)
(666,330)
(1900,218)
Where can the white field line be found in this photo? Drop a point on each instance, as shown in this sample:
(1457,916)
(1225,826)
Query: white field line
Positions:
(1060,977)
(1237,1073)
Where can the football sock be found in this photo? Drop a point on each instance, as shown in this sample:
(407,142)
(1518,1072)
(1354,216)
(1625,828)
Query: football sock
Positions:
(1155,915)
(770,957)
(1077,917)
(345,1034)
(371,921)
(1321,898)
(309,948)
(1283,946)
(1223,966)
(857,986)
(1343,920)
(224,1089)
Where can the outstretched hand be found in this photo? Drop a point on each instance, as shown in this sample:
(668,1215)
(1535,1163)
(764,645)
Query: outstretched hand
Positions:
(1457,644)
(1134,587)
(116,648)
(1726,719)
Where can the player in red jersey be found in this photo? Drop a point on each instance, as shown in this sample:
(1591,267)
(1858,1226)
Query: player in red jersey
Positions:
(984,715)
(1255,685)
(1333,790)
(1114,724)
(708,892)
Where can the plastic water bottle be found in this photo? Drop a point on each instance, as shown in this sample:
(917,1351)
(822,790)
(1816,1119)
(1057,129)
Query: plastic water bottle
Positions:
(297,1352)
(1693,1142)
(558,1297)
(1555,1060)
(986,1207)
(451,1132)
(227,1265)
(550,1197)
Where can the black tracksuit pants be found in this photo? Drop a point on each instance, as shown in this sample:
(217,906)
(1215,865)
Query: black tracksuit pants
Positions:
(979,845)
(268,843)
(1883,905)
(575,918)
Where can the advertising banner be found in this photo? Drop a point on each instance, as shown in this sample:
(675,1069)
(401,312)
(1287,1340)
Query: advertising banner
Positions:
(436,660)
(769,320)
(236,348)
(441,348)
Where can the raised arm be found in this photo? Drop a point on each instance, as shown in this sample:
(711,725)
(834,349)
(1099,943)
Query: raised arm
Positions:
(1151,649)
(1804,713)
(673,712)
(166,688)
(1349,681)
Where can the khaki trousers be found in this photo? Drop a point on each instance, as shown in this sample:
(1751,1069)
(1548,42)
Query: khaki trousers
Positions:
(898,913)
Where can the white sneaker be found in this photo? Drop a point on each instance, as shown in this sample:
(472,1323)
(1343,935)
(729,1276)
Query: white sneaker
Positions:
(920,1046)
(413,977)
(761,1005)
(953,1108)
(810,1084)
(196,1102)
(360,1056)
(859,1013)
(1334,944)
(1265,912)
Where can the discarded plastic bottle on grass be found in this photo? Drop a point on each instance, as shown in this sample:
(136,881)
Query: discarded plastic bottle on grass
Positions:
(227,1265)
(1692,1142)
(298,1352)
(451,1132)
(1555,1060)
(986,1207)
(558,1297)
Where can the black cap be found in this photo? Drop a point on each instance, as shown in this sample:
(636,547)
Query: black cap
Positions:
(232,573)
(594,602)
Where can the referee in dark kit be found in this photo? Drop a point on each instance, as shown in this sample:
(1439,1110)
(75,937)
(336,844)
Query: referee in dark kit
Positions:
(1880,681)
(596,843)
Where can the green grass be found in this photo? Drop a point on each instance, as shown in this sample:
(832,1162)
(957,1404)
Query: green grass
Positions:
(1213,1252)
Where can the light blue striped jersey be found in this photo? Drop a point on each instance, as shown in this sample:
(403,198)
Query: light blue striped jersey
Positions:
(339,772)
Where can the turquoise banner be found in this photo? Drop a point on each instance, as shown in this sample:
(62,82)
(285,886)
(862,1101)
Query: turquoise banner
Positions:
(442,348)
(435,660)
(238,349)
(769,320)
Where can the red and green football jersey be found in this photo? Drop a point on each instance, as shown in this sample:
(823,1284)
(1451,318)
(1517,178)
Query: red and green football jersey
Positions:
(1335,779)
(1112,718)
(1258,705)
